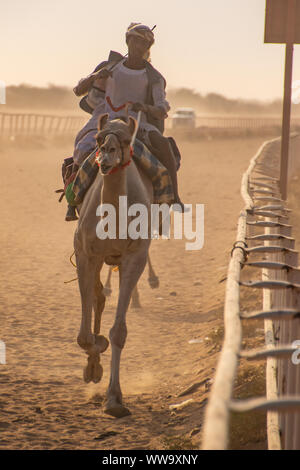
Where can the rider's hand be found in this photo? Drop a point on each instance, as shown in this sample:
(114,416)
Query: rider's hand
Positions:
(76,91)
(136,107)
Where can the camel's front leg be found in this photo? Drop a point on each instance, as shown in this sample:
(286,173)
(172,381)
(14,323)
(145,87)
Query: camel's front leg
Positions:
(135,298)
(86,270)
(93,344)
(130,271)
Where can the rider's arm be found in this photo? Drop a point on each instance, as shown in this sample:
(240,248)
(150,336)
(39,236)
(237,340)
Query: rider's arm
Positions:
(158,112)
(160,107)
(85,84)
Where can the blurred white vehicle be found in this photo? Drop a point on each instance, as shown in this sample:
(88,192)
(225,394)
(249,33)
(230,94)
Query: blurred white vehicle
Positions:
(184,117)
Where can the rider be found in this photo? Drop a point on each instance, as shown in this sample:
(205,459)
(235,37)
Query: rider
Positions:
(130,79)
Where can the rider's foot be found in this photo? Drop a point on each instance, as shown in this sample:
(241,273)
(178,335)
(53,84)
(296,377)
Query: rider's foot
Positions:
(71,214)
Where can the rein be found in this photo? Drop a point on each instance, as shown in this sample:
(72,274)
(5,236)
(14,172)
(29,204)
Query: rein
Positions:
(123,106)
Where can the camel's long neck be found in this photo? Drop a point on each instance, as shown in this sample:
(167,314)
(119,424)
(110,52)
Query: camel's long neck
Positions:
(114,185)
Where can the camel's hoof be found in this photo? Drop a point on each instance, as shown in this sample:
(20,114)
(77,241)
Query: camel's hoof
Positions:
(135,305)
(87,375)
(116,410)
(98,373)
(153,282)
(93,371)
(106,291)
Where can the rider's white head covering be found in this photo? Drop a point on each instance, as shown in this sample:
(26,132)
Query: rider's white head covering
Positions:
(140,30)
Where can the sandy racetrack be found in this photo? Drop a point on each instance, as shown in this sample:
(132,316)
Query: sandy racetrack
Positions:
(44,403)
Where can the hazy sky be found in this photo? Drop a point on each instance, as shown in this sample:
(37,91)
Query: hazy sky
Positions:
(207,45)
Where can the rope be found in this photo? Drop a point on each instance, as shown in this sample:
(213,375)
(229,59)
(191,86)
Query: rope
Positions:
(136,128)
(71,259)
(71,280)
(244,250)
(73,264)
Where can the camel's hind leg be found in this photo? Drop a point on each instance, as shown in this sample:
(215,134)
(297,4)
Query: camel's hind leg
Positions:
(131,269)
(152,279)
(135,298)
(107,286)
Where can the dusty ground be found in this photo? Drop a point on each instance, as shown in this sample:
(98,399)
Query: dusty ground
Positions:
(44,403)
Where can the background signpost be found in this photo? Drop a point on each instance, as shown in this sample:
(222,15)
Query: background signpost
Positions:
(282,25)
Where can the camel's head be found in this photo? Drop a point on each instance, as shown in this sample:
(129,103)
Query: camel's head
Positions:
(113,140)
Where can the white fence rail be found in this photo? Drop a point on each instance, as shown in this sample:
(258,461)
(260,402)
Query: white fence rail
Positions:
(31,124)
(242,122)
(264,212)
(35,123)
(238,122)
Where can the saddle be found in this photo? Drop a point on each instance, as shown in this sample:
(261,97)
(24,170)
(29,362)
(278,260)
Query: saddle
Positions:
(144,159)
(68,177)
(76,184)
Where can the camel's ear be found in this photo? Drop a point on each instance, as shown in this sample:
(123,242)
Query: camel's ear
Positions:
(102,121)
(131,124)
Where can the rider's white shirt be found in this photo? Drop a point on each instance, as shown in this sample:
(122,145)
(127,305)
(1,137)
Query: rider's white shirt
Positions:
(131,85)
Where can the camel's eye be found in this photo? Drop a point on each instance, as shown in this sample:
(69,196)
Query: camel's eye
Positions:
(112,150)
(102,149)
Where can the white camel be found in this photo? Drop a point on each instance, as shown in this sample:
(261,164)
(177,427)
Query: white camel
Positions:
(92,252)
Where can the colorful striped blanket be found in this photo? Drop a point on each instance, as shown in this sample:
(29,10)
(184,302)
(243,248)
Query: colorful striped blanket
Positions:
(158,174)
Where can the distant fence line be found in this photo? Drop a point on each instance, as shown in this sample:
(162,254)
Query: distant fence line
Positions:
(29,124)
(32,123)
(241,122)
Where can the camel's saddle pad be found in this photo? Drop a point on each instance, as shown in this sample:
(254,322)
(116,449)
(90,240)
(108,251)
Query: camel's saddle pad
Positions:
(162,185)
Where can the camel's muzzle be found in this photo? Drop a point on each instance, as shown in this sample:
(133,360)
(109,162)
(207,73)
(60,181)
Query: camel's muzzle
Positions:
(105,168)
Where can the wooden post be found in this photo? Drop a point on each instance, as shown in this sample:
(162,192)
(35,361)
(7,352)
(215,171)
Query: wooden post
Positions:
(14,124)
(58,124)
(286,116)
(269,300)
(51,120)
(66,124)
(22,117)
(27,124)
(35,123)
(43,124)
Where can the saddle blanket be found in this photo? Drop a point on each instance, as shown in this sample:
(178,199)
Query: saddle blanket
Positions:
(158,174)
